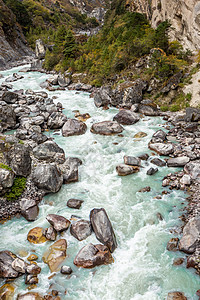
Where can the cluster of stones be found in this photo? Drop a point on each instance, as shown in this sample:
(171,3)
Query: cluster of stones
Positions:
(89,256)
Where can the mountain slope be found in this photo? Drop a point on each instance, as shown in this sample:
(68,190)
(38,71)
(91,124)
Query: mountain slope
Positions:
(12,41)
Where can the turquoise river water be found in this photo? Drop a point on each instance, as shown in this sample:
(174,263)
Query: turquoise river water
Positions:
(143,267)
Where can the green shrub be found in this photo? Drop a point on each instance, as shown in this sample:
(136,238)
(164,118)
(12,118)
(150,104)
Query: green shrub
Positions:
(17,189)
(3,166)
(164,108)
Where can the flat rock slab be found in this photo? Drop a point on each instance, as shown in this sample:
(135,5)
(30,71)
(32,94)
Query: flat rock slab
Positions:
(158,162)
(178,161)
(161,148)
(106,128)
(55,255)
(91,256)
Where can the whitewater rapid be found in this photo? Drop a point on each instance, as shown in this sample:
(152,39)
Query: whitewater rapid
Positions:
(143,267)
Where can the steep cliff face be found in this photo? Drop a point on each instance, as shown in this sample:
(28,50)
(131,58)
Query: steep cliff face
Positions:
(13,45)
(183,15)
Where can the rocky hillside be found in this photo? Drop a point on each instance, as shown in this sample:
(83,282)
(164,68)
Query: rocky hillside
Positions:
(13,44)
(183,15)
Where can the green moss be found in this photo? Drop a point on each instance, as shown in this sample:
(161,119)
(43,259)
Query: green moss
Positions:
(3,166)
(164,108)
(17,189)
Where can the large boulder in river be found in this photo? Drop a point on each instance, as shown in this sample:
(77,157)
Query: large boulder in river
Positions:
(132,161)
(47,177)
(59,223)
(126,117)
(91,256)
(70,169)
(159,136)
(6,260)
(190,239)
(81,229)
(7,116)
(103,96)
(56,120)
(103,228)
(55,255)
(180,161)
(20,160)
(106,128)
(73,127)
(50,152)
(176,296)
(161,148)
(63,81)
(148,108)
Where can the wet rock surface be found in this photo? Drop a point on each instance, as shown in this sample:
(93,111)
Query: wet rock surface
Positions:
(55,255)
(91,256)
(103,228)
(106,128)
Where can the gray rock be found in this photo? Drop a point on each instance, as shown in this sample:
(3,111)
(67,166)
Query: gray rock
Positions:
(193,169)
(161,148)
(29,209)
(148,109)
(6,270)
(66,270)
(53,79)
(152,171)
(158,162)
(91,256)
(103,96)
(180,161)
(73,127)
(70,169)
(126,117)
(106,128)
(124,170)
(192,114)
(49,152)
(63,81)
(59,223)
(132,161)
(74,203)
(20,160)
(159,136)
(50,233)
(81,229)
(190,238)
(33,269)
(40,49)
(47,177)
(19,265)
(9,97)
(7,116)
(186,179)
(56,120)
(103,228)
(6,179)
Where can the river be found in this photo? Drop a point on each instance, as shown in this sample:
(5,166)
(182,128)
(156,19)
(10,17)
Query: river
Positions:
(143,268)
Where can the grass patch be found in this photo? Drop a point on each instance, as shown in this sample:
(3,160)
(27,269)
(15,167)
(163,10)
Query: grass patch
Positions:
(17,189)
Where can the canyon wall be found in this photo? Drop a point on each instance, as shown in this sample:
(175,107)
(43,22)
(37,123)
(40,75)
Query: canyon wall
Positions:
(183,15)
